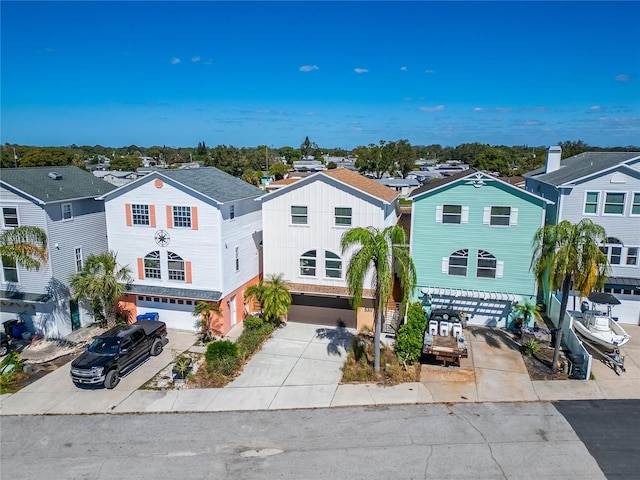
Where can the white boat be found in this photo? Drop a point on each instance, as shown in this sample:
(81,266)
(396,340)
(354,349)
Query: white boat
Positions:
(599,327)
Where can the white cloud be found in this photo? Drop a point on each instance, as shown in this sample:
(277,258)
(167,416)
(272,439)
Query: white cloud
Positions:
(195,59)
(361,70)
(407,99)
(175,61)
(437,108)
(623,77)
(429,71)
(595,108)
(309,68)
(478,109)
(404,69)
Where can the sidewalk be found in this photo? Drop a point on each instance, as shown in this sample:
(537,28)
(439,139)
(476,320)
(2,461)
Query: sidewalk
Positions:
(494,373)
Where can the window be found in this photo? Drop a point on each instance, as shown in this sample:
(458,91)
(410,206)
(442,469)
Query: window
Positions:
(487,265)
(591,203)
(458,263)
(237,259)
(614,204)
(500,215)
(613,250)
(452,214)
(632,256)
(67,211)
(299,215)
(343,216)
(635,206)
(78,259)
(182,217)
(176,267)
(232,212)
(140,214)
(10,217)
(152,265)
(308,263)
(9,270)
(333,265)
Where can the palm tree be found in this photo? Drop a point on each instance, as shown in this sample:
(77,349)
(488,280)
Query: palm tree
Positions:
(103,280)
(24,245)
(526,310)
(569,253)
(276,298)
(387,253)
(204,310)
(256,293)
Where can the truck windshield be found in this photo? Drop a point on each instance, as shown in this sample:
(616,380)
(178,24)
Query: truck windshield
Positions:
(105,346)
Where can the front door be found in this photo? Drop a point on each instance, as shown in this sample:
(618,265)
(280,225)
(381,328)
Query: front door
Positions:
(232,310)
(75,315)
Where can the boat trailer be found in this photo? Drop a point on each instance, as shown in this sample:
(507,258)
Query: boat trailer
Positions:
(613,358)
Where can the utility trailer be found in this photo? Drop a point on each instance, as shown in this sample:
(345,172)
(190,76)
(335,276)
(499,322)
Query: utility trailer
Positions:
(444,338)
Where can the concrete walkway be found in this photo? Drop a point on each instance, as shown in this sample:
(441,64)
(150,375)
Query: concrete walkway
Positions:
(300,367)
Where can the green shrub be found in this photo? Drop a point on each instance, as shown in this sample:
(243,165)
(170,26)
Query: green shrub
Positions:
(408,345)
(531,347)
(221,349)
(226,366)
(252,323)
(7,382)
(252,338)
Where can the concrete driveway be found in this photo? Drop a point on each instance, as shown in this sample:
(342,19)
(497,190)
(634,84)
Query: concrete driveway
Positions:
(56,393)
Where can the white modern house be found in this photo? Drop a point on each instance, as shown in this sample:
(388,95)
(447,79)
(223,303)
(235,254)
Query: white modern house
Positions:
(303,223)
(187,235)
(605,188)
(60,201)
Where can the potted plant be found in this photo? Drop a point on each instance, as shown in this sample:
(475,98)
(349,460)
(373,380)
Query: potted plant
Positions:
(525,312)
(181,366)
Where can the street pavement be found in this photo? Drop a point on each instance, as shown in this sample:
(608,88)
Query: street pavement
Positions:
(299,367)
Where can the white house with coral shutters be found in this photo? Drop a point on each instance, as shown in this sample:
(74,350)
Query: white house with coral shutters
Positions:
(303,223)
(187,236)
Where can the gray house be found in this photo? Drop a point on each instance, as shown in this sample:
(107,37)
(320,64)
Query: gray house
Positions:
(61,201)
(604,187)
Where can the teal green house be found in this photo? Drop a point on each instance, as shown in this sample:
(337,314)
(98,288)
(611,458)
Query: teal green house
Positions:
(471,243)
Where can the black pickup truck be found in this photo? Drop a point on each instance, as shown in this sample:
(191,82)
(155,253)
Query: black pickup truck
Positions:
(117,351)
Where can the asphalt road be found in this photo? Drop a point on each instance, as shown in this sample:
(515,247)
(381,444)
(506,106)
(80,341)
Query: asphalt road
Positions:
(437,441)
(610,429)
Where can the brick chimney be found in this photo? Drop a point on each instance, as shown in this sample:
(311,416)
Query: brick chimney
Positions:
(554,154)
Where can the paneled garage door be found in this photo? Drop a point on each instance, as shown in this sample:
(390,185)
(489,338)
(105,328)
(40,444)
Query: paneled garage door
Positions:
(331,312)
(176,313)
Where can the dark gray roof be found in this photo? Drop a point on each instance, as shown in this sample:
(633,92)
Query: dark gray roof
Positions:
(213,183)
(440,183)
(24,296)
(580,166)
(36,182)
(623,281)
(174,292)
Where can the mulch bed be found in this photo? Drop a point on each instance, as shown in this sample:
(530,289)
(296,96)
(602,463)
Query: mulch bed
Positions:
(539,365)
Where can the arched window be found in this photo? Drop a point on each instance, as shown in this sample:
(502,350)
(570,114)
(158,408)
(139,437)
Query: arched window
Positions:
(487,265)
(333,265)
(613,250)
(458,262)
(308,264)
(176,267)
(152,265)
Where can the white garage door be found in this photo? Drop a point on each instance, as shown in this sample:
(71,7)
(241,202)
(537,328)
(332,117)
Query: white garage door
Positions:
(178,315)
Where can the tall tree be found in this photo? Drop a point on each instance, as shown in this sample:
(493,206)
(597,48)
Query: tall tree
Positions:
(25,246)
(569,254)
(403,156)
(204,311)
(276,298)
(385,252)
(102,280)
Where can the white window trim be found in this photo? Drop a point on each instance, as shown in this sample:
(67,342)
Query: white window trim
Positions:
(584,203)
(291,215)
(173,215)
(336,216)
(631,214)
(625,256)
(8,227)
(75,253)
(513,216)
(70,210)
(133,215)
(464,214)
(4,280)
(624,204)
(237,260)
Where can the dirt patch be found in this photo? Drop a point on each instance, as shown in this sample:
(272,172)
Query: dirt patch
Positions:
(539,365)
(439,373)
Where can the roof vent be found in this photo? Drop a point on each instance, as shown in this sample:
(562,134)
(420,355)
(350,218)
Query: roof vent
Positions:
(55,175)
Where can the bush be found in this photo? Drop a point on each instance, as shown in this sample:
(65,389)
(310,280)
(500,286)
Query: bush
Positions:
(531,347)
(252,323)
(221,349)
(252,338)
(226,366)
(7,382)
(409,337)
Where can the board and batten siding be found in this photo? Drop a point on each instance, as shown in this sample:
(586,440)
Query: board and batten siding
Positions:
(431,241)
(284,242)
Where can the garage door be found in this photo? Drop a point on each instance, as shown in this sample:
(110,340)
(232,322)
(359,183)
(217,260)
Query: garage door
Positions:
(175,315)
(322,311)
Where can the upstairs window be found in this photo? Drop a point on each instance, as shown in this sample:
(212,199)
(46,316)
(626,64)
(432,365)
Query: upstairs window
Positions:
(67,211)
(78,255)
(176,267)
(9,270)
(635,206)
(232,212)
(298,215)
(632,256)
(237,259)
(182,217)
(308,264)
(333,265)
(487,265)
(140,214)
(591,203)
(152,265)
(499,216)
(613,250)
(456,263)
(10,217)
(343,217)
(452,214)
(614,204)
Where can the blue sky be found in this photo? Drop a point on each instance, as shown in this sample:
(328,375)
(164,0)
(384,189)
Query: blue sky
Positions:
(343,73)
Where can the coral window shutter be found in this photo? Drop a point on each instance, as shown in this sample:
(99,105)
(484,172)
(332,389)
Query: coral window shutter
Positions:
(128,216)
(152,216)
(194,218)
(187,273)
(169,216)
(141,268)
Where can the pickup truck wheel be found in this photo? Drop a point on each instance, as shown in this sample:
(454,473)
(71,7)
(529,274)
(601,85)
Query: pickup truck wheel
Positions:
(156,348)
(111,380)
(3,350)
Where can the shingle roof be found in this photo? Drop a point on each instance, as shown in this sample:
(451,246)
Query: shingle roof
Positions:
(580,166)
(35,182)
(174,292)
(362,183)
(213,183)
(440,183)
